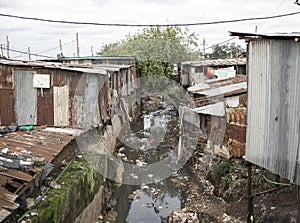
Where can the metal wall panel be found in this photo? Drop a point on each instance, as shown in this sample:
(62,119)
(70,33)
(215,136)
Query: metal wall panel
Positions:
(91,114)
(7,107)
(274,107)
(45,109)
(61,105)
(6,77)
(26,98)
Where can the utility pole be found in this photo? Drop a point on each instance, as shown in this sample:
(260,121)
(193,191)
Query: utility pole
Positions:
(2,54)
(92,51)
(29,54)
(7,46)
(204,47)
(60,47)
(77,44)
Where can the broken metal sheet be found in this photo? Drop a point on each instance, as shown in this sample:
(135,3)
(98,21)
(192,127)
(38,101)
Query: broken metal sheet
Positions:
(200,86)
(217,109)
(233,102)
(69,131)
(224,90)
(20,148)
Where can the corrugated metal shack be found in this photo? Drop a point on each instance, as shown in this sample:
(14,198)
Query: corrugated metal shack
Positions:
(118,60)
(72,98)
(273,139)
(39,93)
(222,109)
(194,72)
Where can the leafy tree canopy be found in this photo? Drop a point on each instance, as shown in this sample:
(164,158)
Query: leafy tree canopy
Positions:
(156,49)
(226,51)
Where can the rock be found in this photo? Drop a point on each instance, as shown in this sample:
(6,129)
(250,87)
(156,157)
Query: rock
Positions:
(55,185)
(111,216)
(134,196)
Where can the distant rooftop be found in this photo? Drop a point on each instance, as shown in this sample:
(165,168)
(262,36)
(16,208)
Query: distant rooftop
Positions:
(217,62)
(99,58)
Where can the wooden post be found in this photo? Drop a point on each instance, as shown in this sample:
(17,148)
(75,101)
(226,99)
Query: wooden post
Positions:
(92,51)
(7,46)
(60,47)
(250,217)
(277,179)
(29,54)
(77,44)
(204,47)
(2,54)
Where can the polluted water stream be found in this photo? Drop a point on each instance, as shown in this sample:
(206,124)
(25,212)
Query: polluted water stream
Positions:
(152,138)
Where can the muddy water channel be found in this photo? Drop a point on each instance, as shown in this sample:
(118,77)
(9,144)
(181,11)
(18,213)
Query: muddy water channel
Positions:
(150,139)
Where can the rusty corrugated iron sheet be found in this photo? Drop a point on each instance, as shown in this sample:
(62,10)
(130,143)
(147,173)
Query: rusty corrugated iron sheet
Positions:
(7,108)
(6,77)
(217,62)
(19,151)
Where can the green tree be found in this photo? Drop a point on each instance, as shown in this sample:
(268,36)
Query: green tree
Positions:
(226,51)
(156,49)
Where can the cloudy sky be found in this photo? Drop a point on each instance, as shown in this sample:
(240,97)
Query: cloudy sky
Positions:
(41,37)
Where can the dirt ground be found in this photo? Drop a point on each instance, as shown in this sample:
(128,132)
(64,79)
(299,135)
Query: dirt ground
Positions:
(225,199)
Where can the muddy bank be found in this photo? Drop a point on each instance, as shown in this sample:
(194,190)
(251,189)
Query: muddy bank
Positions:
(218,193)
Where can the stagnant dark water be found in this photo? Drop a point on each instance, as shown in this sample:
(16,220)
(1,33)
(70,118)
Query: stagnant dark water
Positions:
(151,135)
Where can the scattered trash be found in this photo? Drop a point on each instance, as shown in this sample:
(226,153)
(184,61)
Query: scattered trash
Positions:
(150,175)
(149,205)
(134,176)
(144,187)
(27,162)
(26,151)
(27,128)
(55,185)
(6,159)
(183,217)
(79,156)
(134,196)
(121,150)
(30,202)
(5,150)
(34,213)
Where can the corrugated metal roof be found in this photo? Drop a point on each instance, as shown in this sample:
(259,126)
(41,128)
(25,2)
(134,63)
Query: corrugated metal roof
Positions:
(217,62)
(86,70)
(291,35)
(225,90)
(99,58)
(217,109)
(274,107)
(18,151)
(94,68)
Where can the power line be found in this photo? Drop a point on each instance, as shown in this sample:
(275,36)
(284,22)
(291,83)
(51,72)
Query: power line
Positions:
(27,53)
(148,25)
(57,47)
(218,44)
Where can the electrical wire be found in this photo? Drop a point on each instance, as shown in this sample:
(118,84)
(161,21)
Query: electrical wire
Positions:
(57,47)
(218,44)
(27,53)
(147,25)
